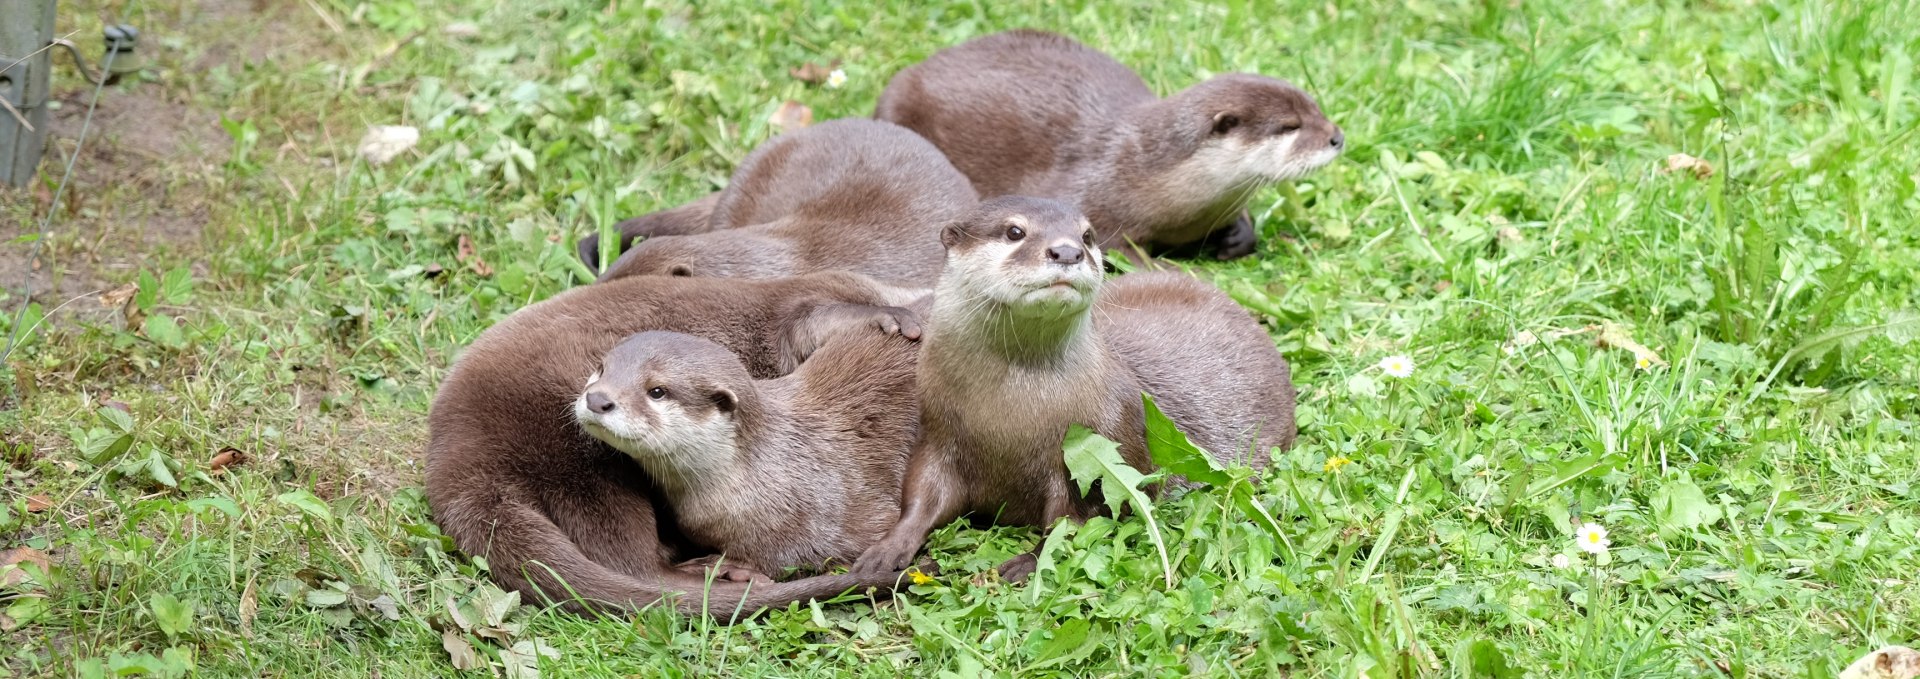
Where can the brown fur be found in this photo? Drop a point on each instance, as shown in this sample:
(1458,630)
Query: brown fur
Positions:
(847,195)
(1009,363)
(1034,113)
(811,473)
(511,477)
(693,217)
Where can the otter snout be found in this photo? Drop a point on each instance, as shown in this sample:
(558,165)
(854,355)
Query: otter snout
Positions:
(599,403)
(1338,140)
(1065,253)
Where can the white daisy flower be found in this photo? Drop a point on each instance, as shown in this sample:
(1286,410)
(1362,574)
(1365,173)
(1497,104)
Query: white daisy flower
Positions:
(1592,538)
(837,78)
(1397,366)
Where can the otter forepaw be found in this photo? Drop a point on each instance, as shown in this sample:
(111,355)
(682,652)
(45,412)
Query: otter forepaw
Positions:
(1019,568)
(1239,240)
(883,557)
(723,570)
(900,321)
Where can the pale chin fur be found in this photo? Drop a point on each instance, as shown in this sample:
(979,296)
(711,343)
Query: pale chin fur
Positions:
(1231,165)
(1020,288)
(693,446)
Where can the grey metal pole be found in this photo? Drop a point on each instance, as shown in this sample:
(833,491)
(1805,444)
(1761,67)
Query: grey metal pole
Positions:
(26,28)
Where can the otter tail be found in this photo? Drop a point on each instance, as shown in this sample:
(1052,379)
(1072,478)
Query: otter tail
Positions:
(530,554)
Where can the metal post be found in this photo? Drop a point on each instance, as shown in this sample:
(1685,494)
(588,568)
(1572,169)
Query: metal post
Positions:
(26,28)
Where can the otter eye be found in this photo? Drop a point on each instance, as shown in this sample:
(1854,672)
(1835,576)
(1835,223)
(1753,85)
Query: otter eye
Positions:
(679,270)
(1288,129)
(1087,237)
(657,393)
(1016,233)
(1224,122)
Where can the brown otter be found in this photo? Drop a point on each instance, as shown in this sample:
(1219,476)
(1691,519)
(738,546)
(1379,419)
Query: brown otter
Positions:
(561,516)
(797,471)
(1017,350)
(1034,113)
(676,221)
(847,195)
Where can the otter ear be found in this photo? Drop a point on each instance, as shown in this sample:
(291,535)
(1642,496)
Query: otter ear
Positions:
(724,400)
(1224,122)
(950,235)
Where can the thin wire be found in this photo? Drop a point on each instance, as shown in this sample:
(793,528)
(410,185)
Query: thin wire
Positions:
(46,225)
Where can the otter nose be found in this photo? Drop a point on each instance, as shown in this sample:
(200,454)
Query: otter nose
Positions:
(1066,253)
(599,403)
(1339,139)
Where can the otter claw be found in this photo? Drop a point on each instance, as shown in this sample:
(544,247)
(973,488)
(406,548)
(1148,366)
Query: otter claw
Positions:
(1239,239)
(1019,568)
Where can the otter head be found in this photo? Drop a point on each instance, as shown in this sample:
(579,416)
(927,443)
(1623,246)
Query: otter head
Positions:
(1255,130)
(671,401)
(733,253)
(1030,257)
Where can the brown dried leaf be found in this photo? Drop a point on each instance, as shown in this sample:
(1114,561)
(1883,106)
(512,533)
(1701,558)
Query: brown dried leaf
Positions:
(1892,662)
(118,297)
(227,457)
(813,73)
(8,624)
(792,115)
(12,560)
(39,503)
(249,607)
(117,405)
(1615,337)
(434,270)
(466,252)
(459,651)
(1681,162)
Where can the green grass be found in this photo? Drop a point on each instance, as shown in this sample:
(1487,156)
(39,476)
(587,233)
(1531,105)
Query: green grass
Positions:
(1760,487)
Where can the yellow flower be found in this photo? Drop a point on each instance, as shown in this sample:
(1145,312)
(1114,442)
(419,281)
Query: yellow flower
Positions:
(918,577)
(1334,464)
(1397,366)
(1643,362)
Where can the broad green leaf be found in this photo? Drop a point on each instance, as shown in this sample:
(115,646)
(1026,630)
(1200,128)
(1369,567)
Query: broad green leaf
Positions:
(1482,658)
(177,286)
(325,598)
(164,331)
(148,292)
(305,501)
(157,468)
(175,617)
(224,505)
(1091,457)
(1680,505)
(1067,638)
(119,418)
(1173,451)
(100,446)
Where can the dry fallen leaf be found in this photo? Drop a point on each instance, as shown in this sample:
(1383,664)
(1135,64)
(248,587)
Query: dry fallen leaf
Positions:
(8,624)
(792,115)
(466,252)
(1681,162)
(118,297)
(1615,337)
(459,651)
(249,607)
(39,503)
(11,561)
(227,457)
(813,73)
(1892,662)
(383,143)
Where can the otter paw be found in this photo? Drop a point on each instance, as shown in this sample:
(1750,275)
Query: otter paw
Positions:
(1019,568)
(882,558)
(900,321)
(1239,240)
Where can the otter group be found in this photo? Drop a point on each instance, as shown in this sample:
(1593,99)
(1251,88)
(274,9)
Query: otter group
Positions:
(927,313)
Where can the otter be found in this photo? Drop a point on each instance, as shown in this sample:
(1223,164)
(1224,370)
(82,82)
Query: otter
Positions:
(849,195)
(800,471)
(1017,349)
(1035,113)
(562,517)
(676,221)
